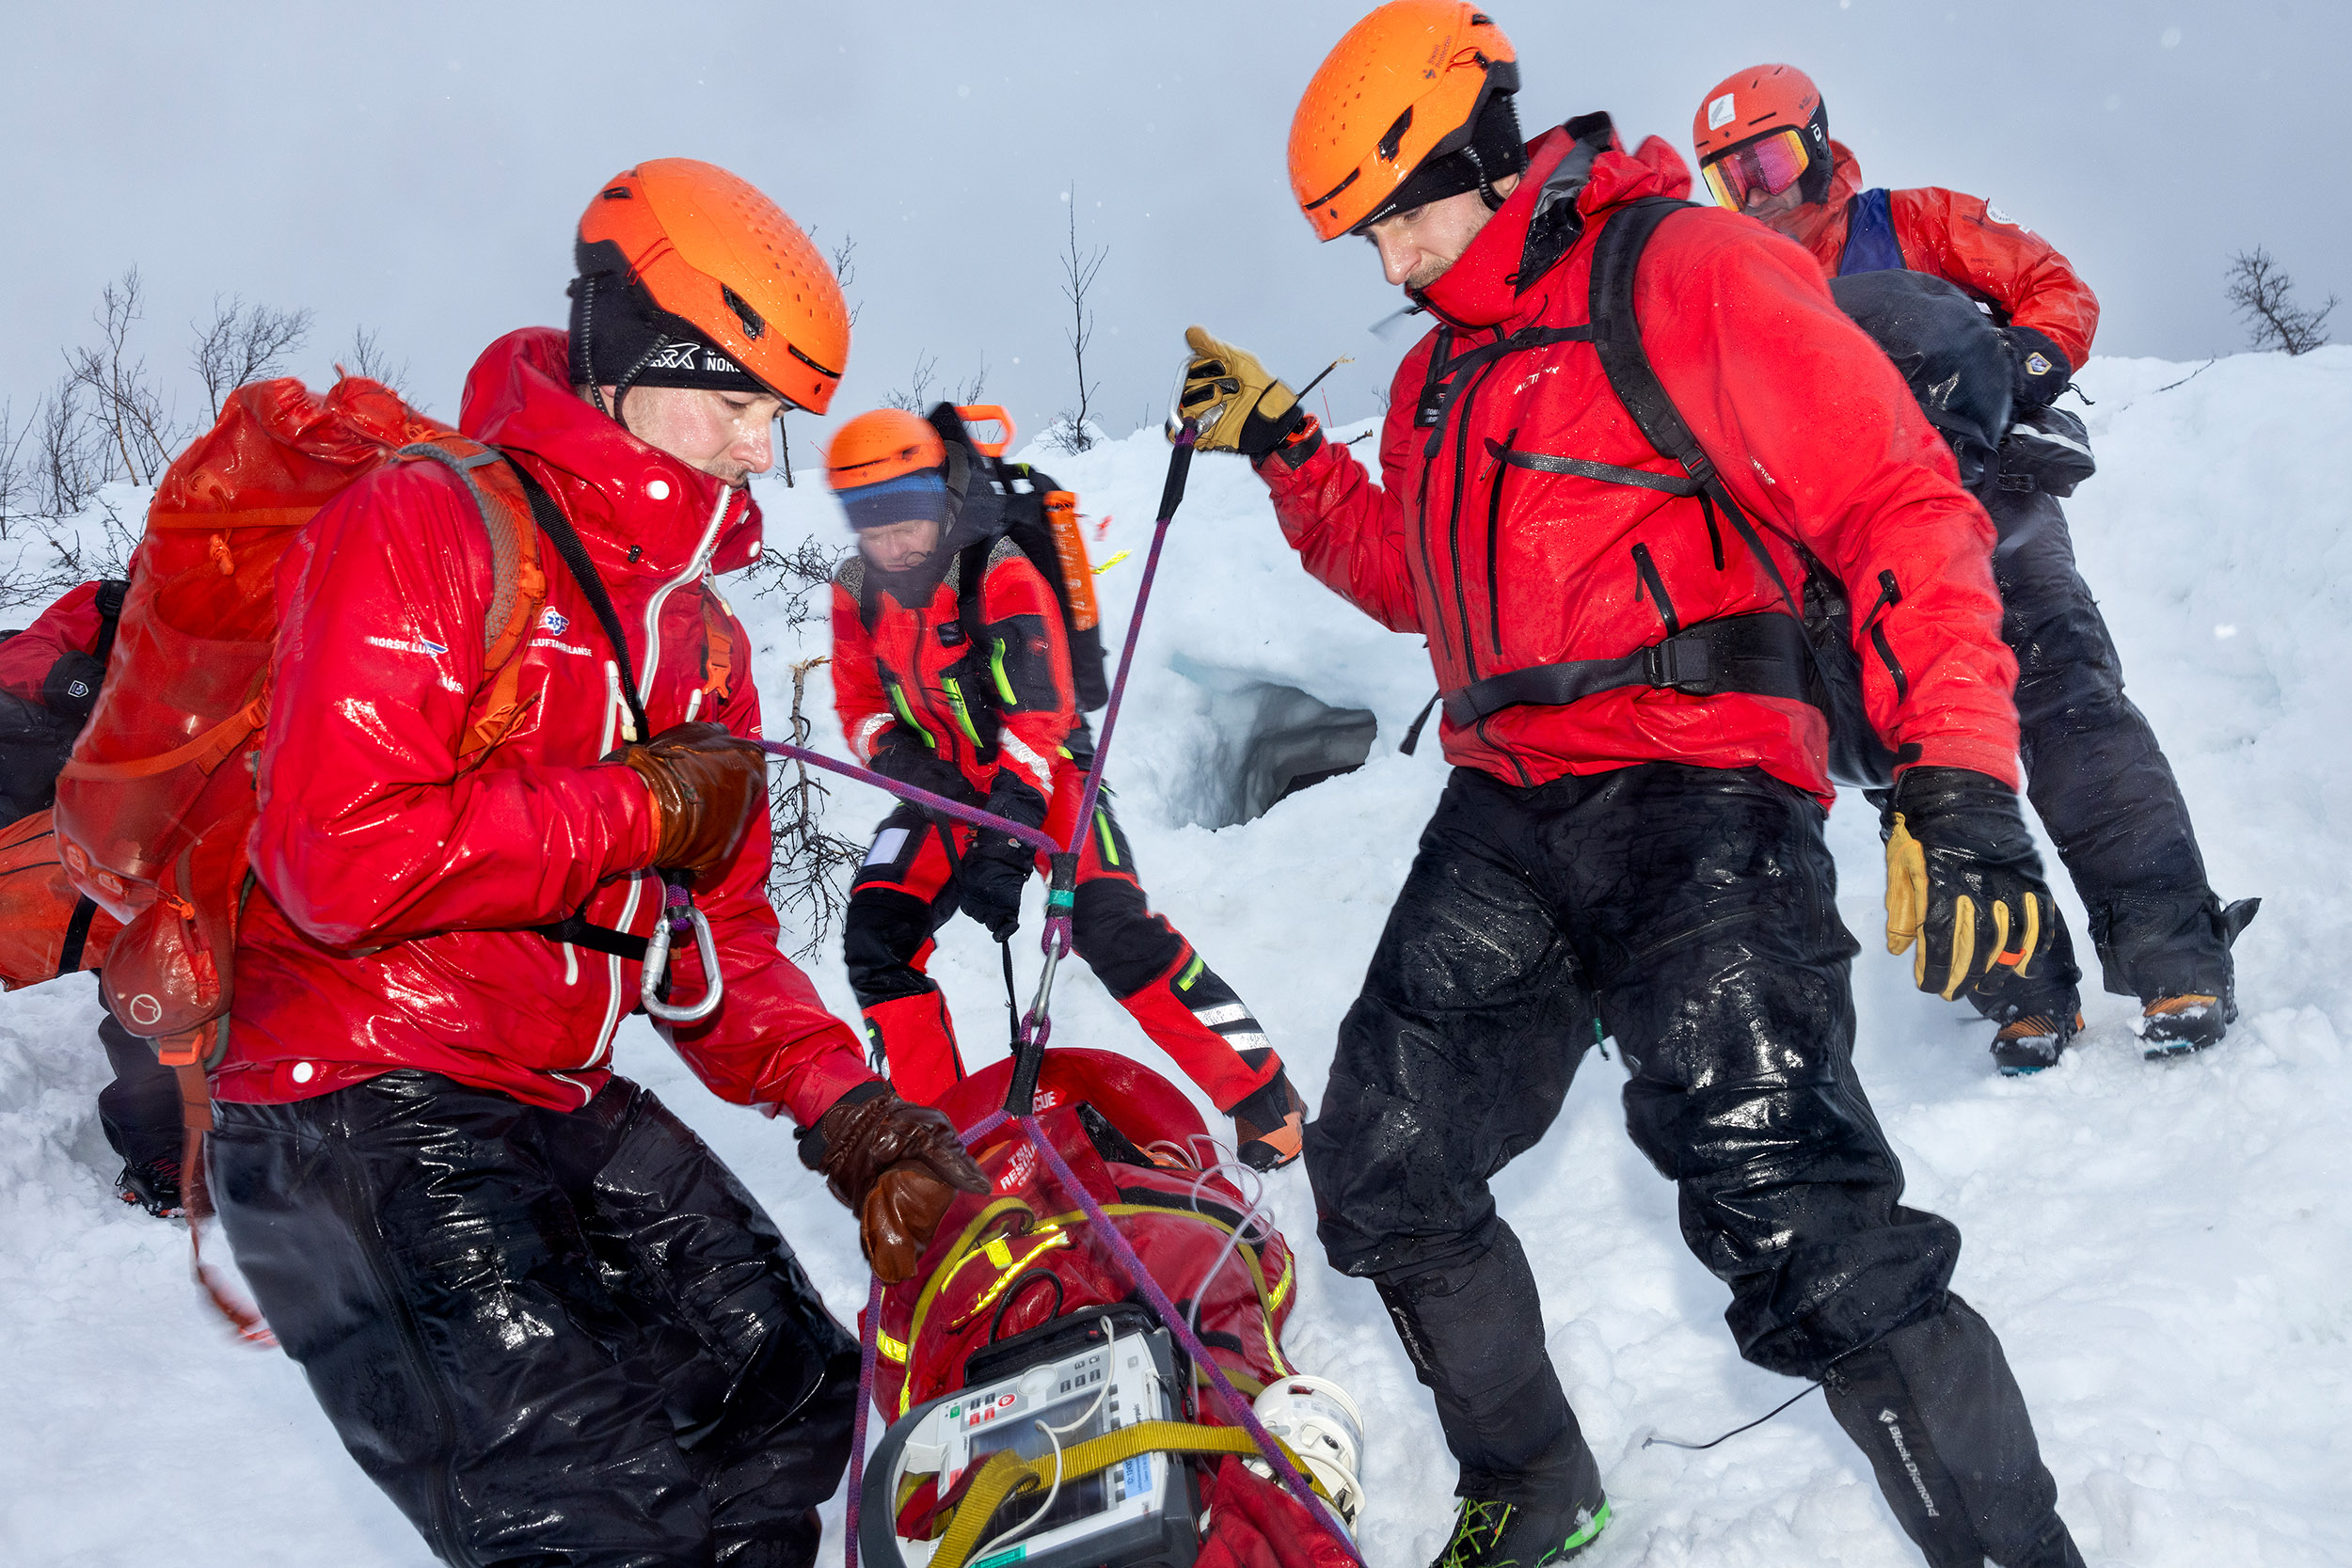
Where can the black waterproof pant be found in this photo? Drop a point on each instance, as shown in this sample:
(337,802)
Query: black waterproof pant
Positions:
(1689,912)
(140,1109)
(552,1339)
(2096,775)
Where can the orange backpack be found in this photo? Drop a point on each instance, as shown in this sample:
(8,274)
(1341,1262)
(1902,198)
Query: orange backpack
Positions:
(155,805)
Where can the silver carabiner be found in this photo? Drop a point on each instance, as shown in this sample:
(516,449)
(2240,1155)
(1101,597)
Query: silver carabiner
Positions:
(658,965)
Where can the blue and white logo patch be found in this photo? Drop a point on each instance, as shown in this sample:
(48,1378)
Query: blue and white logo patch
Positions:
(554,622)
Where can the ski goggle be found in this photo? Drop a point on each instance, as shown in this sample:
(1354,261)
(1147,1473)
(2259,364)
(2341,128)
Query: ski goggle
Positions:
(1769,165)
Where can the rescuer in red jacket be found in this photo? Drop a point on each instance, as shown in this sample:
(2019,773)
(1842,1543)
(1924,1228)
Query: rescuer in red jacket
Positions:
(541,1313)
(967,692)
(2093,769)
(49,674)
(1631,841)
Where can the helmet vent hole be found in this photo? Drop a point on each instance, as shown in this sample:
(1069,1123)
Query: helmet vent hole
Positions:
(752,324)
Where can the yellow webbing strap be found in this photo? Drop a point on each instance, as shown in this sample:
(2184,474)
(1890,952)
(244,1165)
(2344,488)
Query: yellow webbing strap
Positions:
(968,1246)
(1005,1472)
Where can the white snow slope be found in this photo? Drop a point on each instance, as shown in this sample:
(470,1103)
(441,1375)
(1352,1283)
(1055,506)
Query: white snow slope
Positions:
(2163,1248)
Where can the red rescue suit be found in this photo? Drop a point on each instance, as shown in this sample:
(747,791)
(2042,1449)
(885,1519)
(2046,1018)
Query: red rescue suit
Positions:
(1967,241)
(1503,566)
(932,698)
(392,924)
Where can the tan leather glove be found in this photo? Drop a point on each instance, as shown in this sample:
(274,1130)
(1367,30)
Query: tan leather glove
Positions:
(1964,885)
(706,783)
(1238,406)
(897,1166)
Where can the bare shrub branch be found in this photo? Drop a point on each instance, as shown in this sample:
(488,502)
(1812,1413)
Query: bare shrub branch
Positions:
(123,399)
(2260,292)
(368,358)
(916,393)
(243,344)
(798,574)
(1073,432)
(808,872)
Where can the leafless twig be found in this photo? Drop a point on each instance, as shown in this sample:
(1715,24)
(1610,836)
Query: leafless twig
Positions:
(2262,293)
(243,344)
(1071,433)
(808,872)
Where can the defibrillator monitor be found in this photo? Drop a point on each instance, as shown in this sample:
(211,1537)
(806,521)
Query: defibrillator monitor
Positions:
(1084,1384)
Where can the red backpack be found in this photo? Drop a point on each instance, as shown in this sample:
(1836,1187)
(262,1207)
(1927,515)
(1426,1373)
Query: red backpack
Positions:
(155,805)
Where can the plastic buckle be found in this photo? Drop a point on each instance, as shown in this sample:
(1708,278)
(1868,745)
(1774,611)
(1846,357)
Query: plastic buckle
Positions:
(1685,663)
(658,965)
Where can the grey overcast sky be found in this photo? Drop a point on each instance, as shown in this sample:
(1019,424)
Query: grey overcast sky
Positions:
(418,167)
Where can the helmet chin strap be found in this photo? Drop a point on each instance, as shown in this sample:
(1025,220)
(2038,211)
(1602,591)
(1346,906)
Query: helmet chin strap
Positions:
(1487,192)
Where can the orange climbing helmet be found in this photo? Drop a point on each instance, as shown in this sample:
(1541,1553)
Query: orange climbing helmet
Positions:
(1412,105)
(881,445)
(1763,126)
(689,278)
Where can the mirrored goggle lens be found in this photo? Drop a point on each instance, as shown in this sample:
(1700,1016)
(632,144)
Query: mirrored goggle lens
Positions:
(1769,166)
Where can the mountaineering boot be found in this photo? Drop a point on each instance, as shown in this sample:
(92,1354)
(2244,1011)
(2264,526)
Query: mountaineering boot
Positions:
(2030,1043)
(2177,1026)
(1267,1125)
(154,1185)
(1516,1535)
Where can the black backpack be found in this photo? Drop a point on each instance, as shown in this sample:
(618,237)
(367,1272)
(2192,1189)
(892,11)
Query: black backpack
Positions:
(35,742)
(1805,654)
(1023,491)
(1951,354)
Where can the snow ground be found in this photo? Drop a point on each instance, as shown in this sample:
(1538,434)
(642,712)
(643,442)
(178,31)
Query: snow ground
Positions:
(2163,1248)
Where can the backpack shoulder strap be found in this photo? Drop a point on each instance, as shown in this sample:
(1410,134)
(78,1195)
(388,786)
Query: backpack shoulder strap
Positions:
(518,585)
(971,574)
(111,593)
(1617,338)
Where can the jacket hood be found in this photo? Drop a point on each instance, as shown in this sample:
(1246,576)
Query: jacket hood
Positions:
(1575,173)
(620,492)
(1822,226)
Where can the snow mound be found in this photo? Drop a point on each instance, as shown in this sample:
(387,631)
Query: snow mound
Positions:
(2162,1248)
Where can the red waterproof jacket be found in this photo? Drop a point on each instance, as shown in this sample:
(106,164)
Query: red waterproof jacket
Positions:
(1966,239)
(389,928)
(918,686)
(69,625)
(1504,567)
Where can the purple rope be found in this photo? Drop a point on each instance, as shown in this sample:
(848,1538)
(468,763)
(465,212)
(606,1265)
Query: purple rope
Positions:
(1177,467)
(1034,838)
(869,1347)
(679,905)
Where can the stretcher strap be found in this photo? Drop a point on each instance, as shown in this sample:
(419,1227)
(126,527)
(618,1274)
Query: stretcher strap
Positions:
(1005,1473)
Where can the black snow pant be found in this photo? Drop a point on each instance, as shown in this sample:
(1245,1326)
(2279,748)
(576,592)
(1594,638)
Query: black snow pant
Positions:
(2096,775)
(140,1109)
(1691,913)
(552,1339)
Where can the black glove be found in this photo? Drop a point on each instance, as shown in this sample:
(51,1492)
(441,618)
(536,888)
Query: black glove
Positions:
(71,688)
(2038,372)
(1964,881)
(907,760)
(995,870)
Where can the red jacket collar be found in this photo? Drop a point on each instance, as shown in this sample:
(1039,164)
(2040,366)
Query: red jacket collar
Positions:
(1483,288)
(619,493)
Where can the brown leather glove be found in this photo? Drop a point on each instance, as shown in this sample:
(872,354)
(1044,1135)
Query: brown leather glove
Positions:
(897,1166)
(705,784)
